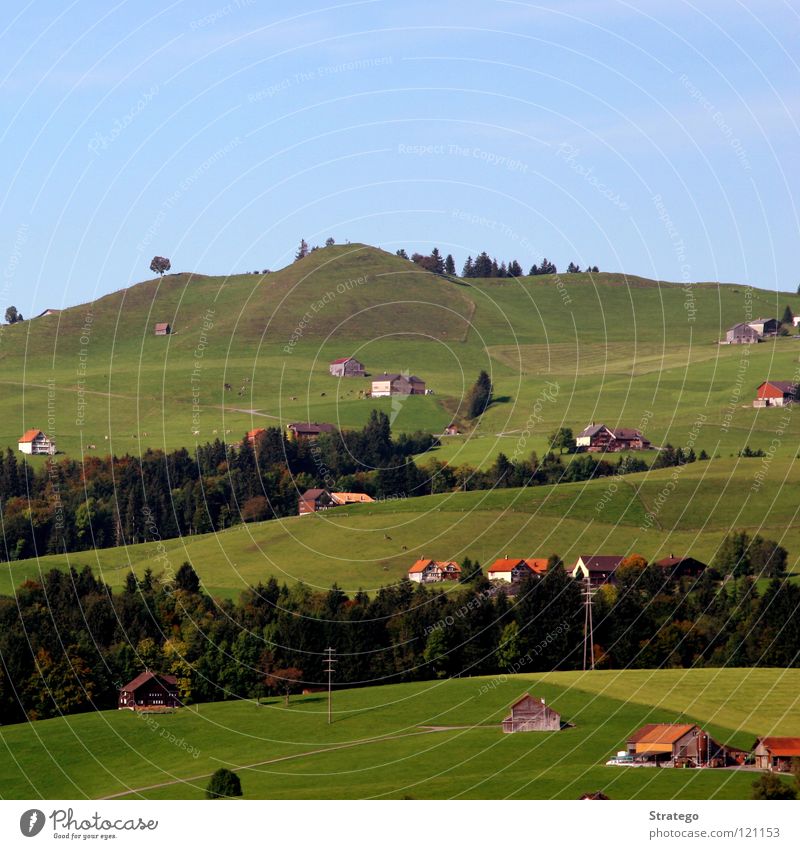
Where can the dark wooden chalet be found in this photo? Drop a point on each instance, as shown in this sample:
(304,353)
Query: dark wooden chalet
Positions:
(600,437)
(681,567)
(531,714)
(314,500)
(308,430)
(149,691)
(597,568)
(346,367)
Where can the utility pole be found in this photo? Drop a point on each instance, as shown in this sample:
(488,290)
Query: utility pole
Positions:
(588,626)
(329,662)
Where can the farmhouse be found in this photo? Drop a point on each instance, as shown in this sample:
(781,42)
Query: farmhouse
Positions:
(35,442)
(346,367)
(681,567)
(163,328)
(742,334)
(776,753)
(531,714)
(315,500)
(765,326)
(351,497)
(597,568)
(308,430)
(434,571)
(775,393)
(512,570)
(47,312)
(385,385)
(149,690)
(599,437)
(451,430)
(679,744)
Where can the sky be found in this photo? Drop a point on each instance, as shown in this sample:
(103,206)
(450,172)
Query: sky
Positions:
(652,138)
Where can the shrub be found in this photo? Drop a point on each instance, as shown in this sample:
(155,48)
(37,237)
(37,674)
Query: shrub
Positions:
(224,784)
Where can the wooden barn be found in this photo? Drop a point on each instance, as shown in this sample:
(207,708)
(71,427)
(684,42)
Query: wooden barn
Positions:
(742,334)
(531,714)
(385,385)
(776,393)
(765,326)
(681,567)
(308,430)
(776,753)
(681,744)
(149,691)
(346,367)
(163,328)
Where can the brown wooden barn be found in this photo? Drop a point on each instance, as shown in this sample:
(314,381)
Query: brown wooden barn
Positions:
(681,567)
(346,367)
(776,753)
(149,691)
(681,744)
(531,714)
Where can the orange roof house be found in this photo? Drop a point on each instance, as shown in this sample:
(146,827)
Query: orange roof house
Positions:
(776,753)
(514,569)
(35,441)
(681,743)
(426,571)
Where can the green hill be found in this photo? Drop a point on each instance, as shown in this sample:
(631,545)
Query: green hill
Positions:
(424,740)
(621,349)
(366,546)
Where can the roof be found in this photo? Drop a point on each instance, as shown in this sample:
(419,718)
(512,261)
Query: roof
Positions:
(525,698)
(670,562)
(538,564)
(48,311)
(422,565)
(252,434)
(311,427)
(29,435)
(144,677)
(759,320)
(340,360)
(412,378)
(312,494)
(601,562)
(506,564)
(627,433)
(351,497)
(592,430)
(162,325)
(784,385)
(661,732)
(742,324)
(783,747)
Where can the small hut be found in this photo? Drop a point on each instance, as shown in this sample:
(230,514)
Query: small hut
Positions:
(531,714)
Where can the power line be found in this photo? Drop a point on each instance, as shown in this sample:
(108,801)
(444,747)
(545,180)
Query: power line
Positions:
(329,663)
(587,591)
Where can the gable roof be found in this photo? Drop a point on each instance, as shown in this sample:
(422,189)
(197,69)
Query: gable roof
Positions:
(423,564)
(341,360)
(385,376)
(507,564)
(310,427)
(783,747)
(742,324)
(256,431)
(313,494)
(670,562)
(144,677)
(661,732)
(627,433)
(162,325)
(29,435)
(527,697)
(600,562)
(593,429)
(761,320)
(536,564)
(351,497)
(788,386)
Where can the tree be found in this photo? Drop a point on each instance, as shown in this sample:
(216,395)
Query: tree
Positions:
(223,784)
(480,396)
(449,264)
(733,556)
(401,253)
(302,250)
(770,786)
(563,440)
(330,242)
(12,316)
(788,316)
(508,651)
(469,271)
(284,680)
(160,265)
(572,268)
(436,652)
(186,578)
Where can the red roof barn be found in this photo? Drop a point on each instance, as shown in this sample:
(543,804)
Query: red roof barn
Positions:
(775,393)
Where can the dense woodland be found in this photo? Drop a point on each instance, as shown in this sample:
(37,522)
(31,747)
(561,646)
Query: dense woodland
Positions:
(67,642)
(70,505)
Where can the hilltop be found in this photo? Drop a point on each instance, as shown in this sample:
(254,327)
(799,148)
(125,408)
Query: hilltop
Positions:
(620,348)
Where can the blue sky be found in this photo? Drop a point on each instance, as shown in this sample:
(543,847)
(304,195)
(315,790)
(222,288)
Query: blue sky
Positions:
(655,138)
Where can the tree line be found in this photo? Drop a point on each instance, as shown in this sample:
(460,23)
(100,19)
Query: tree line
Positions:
(486,266)
(67,643)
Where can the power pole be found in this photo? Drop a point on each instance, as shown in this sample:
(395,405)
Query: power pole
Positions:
(588,626)
(329,662)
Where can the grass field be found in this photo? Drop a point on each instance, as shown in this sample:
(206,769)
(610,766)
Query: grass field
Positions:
(382,743)
(620,349)
(371,545)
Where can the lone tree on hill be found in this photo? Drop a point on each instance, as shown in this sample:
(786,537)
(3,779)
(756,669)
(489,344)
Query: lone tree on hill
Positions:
(480,396)
(223,784)
(449,264)
(330,242)
(788,315)
(285,680)
(12,316)
(302,250)
(160,265)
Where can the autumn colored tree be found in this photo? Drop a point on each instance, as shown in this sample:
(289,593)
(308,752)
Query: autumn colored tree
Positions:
(284,680)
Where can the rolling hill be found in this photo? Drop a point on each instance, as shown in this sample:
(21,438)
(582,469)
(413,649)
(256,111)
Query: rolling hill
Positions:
(437,740)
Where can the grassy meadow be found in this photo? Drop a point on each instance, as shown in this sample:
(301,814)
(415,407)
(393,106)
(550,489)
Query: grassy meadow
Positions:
(426,740)
(366,546)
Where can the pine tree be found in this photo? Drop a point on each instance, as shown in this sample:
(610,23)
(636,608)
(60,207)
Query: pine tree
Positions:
(480,396)
(302,250)
(437,263)
(788,316)
(401,253)
(449,264)
(468,270)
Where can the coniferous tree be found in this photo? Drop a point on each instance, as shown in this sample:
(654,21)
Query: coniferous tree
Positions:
(302,250)
(480,396)
(401,253)
(788,316)
(468,270)
(449,264)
